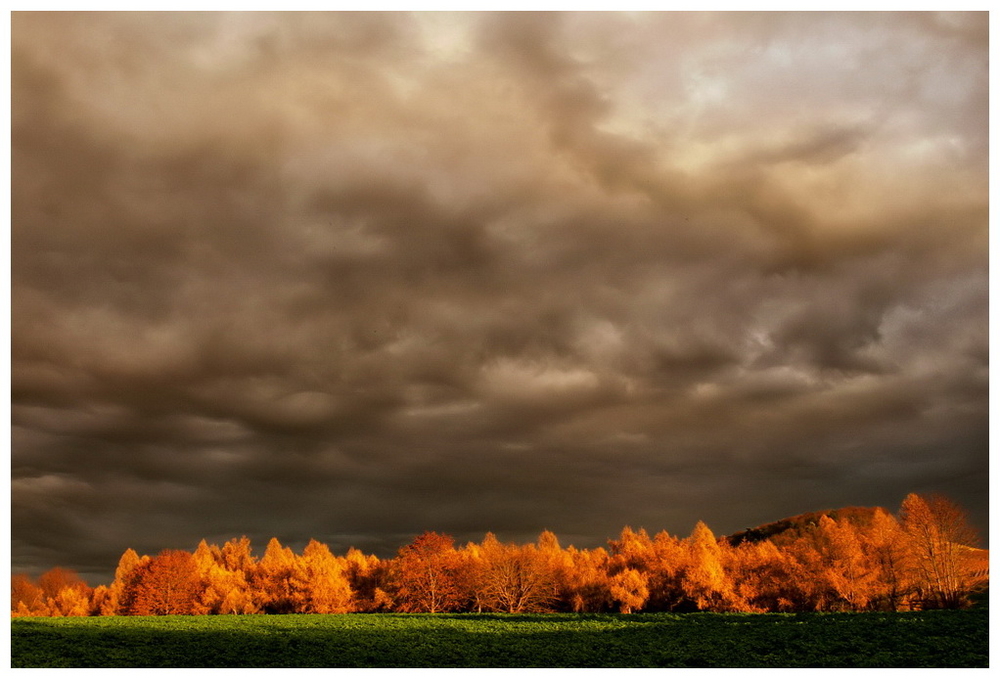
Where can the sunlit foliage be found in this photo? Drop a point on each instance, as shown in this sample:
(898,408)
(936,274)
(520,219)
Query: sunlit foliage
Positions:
(844,560)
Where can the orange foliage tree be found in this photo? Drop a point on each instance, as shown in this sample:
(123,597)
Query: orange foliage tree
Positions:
(516,578)
(584,585)
(231,577)
(941,545)
(272,579)
(884,543)
(846,568)
(705,581)
(167,584)
(630,589)
(426,575)
(112,601)
(58,592)
(368,577)
(225,588)
(668,559)
(319,584)
(26,598)
(765,578)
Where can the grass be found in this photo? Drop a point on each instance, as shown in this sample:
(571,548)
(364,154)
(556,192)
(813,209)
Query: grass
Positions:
(917,639)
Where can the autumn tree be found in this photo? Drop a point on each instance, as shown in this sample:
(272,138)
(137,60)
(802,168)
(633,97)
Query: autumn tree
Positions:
(58,592)
(368,578)
(667,560)
(814,589)
(766,578)
(64,593)
(237,555)
(228,588)
(167,584)
(885,544)
(580,578)
(584,585)
(72,601)
(662,560)
(705,581)
(746,564)
(516,578)
(272,579)
(630,589)
(468,577)
(26,598)
(319,584)
(237,597)
(846,567)
(556,563)
(941,545)
(206,561)
(98,600)
(425,575)
(225,589)
(633,549)
(112,603)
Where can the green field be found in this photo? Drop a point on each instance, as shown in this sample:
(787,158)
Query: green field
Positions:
(926,639)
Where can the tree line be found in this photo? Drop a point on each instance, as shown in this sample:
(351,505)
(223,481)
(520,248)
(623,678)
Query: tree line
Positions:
(923,557)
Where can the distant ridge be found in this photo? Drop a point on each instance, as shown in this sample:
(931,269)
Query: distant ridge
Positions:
(788,530)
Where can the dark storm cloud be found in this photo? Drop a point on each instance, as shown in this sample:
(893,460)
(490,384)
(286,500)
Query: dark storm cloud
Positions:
(355,276)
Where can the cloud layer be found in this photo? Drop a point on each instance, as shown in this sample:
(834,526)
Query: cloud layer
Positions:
(355,276)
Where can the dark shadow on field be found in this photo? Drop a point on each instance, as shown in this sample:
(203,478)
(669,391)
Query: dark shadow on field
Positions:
(932,639)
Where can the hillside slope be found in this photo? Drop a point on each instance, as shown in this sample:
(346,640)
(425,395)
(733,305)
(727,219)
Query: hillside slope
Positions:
(788,530)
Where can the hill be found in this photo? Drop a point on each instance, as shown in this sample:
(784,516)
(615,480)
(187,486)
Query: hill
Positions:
(788,530)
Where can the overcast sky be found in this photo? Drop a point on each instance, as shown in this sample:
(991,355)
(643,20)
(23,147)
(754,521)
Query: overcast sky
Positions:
(352,277)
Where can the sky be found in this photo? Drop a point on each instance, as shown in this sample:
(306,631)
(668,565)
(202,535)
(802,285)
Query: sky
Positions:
(352,276)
